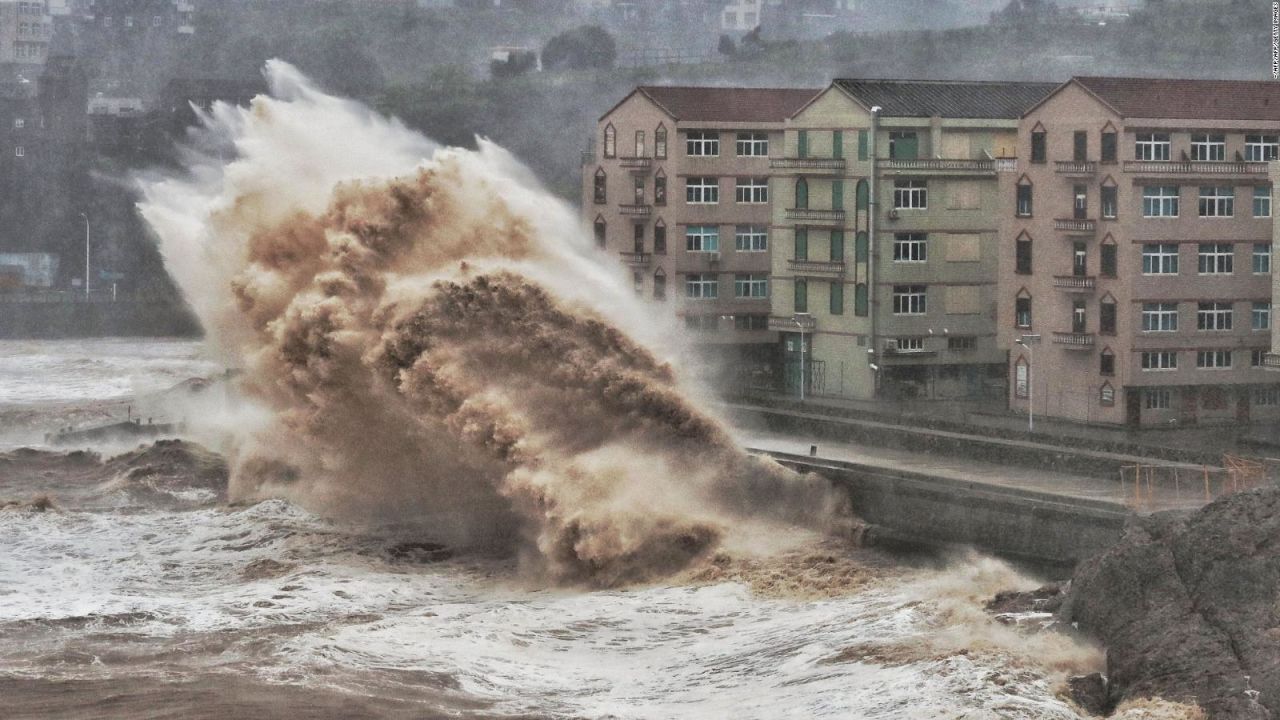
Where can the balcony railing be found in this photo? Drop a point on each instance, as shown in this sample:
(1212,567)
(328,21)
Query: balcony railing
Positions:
(636,163)
(641,210)
(1071,167)
(788,323)
(817,268)
(636,258)
(1074,340)
(807,215)
(1006,165)
(1076,283)
(796,163)
(939,165)
(1271,361)
(1075,227)
(1195,167)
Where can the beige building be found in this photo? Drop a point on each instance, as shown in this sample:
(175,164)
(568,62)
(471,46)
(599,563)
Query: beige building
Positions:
(1136,248)
(677,187)
(885,224)
(26,28)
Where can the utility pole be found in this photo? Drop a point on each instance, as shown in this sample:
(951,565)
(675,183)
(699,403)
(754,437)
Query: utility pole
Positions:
(86,255)
(1027,341)
(798,319)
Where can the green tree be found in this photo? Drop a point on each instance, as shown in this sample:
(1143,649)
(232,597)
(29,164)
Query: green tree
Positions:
(582,48)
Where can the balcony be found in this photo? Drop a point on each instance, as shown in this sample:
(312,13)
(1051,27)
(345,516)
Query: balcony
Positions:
(1075,283)
(1271,361)
(636,210)
(788,323)
(814,165)
(1006,165)
(827,270)
(636,165)
(1195,167)
(1074,168)
(1076,227)
(636,259)
(937,166)
(831,217)
(1074,340)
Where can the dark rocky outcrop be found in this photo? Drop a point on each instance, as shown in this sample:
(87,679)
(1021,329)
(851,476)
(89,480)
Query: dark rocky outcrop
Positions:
(1188,606)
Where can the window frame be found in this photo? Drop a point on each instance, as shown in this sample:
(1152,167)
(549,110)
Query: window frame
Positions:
(702,190)
(755,285)
(1261,261)
(751,238)
(702,143)
(1152,147)
(1260,316)
(1159,317)
(1161,201)
(1261,201)
(751,191)
(1217,201)
(1213,259)
(1215,316)
(911,248)
(705,237)
(702,286)
(1158,259)
(1158,360)
(1218,359)
(755,143)
(1208,147)
(912,300)
(1261,147)
(910,195)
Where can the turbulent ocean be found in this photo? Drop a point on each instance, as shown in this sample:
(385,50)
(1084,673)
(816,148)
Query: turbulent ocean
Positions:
(434,458)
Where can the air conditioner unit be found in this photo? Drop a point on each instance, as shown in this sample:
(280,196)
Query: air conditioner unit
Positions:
(893,214)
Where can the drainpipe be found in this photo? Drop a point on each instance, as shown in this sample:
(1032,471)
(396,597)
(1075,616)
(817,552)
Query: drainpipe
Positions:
(872,204)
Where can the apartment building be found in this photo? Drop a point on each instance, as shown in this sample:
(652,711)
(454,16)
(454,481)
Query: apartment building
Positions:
(1135,259)
(26,28)
(885,223)
(677,188)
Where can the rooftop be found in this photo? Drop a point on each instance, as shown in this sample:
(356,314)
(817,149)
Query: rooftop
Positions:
(726,104)
(1187,99)
(948,98)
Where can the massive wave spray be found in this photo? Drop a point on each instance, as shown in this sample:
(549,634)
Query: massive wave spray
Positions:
(426,335)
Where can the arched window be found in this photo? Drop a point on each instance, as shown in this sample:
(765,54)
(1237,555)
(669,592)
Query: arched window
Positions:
(860,300)
(861,249)
(1022,254)
(601,230)
(1107,315)
(1107,256)
(1024,199)
(863,196)
(660,142)
(610,141)
(601,188)
(659,285)
(1021,377)
(1106,395)
(802,194)
(660,188)
(1107,363)
(660,237)
(1022,310)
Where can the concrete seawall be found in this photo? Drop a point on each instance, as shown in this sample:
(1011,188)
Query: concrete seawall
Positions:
(917,509)
(25,320)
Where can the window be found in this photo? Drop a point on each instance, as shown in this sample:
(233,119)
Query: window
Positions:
(802,243)
(19,123)
(1109,145)
(1080,146)
(909,300)
(637,282)
(1257,358)
(702,323)
(837,246)
(802,143)
(601,187)
(1213,316)
(639,190)
(702,190)
(751,238)
(1216,258)
(1213,359)
(659,285)
(860,300)
(961,343)
(1157,399)
(1107,364)
(1022,255)
(903,146)
(1160,317)
(910,344)
(128,21)
(837,144)
(157,21)
(1080,208)
(660,142)
(1262,316)
(751,286)
(1022,312)
(638,238)
(702,238)
(1265,396)
(1152,146)
(837,298)
(1021,373)
(910,247)
(750,322)
(1262,201)
(1024,201)
(1262,257)
(1217,201)
(753,191)
(640,144)
(660,237)
(1108,201)
(610,141)
(1159,360)
(702,143)
(910,195)
(1039,145)
(837,195)
(1261,148)
(802,194)
(1160,201)
(701,286)
(19,151)
(1106,395)
(1107,252)
(1107,317)
(1078,324)
(1160,259)
(863,145)
(801,299)
(861,247)
(753,144)
(660,189)
(600,231)
(1208,147)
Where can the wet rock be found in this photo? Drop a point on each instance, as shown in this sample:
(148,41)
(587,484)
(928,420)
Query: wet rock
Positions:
(419,552)
(1186,605)
(1089,693)
(1047,598)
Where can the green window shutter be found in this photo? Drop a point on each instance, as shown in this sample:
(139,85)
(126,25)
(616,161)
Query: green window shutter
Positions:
(860,250)
(837,246)
(837,144)
(862,145)
(864,196)
(860,300)
(802,295)
(837,194)
(837,298)
(802,243)
(802,194)
(802,144)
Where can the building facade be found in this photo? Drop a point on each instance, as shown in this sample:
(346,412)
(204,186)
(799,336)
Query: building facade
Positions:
(26,27)
(886,244)
(677,188)
(1135,259)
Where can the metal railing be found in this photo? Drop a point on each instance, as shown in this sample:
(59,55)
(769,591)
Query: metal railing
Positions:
(1195,167)
(1071,225)
(636,258)
(798,163)
(787,323)
(1075,282)
(823,268)
(1074,340)
(1073,167)
(815,215)
(636,163)
(940,164)
(643,210)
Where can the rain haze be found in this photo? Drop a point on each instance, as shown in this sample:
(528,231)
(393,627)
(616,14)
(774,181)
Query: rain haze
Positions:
(639,359)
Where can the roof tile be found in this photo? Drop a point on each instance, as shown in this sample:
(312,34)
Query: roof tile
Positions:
(948,98)
(1188,99)
(726,104)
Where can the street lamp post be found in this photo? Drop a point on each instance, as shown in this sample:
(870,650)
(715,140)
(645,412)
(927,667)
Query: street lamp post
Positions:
(1027,341)
(86,255)
(797,320)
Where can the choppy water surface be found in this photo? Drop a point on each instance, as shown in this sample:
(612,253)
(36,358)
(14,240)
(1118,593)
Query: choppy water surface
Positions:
(172,604)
